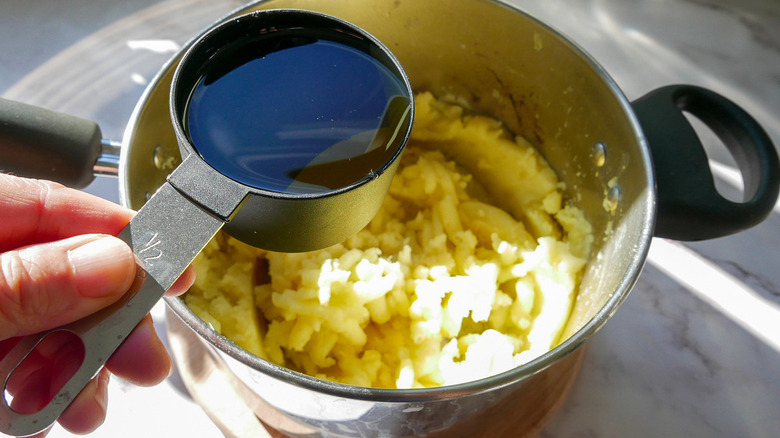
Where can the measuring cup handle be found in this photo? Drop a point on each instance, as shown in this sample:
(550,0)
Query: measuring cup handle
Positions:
(165,235)
(689,205)
(100,333)
(40,143)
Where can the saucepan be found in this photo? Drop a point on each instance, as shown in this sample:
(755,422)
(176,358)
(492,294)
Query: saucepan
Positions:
(636,169)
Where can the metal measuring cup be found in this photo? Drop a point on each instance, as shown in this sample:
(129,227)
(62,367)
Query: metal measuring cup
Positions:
(197,201)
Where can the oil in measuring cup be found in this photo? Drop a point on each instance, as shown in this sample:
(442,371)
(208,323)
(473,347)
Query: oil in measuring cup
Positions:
(299,112)
(286,101)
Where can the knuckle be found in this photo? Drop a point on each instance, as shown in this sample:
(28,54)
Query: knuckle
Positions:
(12,276)
(44,190)
(20,291)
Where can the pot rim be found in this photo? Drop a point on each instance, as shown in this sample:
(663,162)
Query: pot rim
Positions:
(514,375)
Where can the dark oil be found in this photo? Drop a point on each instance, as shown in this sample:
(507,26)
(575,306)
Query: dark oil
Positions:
(297,113)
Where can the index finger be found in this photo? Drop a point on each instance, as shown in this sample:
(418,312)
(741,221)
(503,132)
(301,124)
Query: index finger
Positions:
(37,211)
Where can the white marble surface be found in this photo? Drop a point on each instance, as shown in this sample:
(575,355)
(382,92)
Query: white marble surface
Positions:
(695,349)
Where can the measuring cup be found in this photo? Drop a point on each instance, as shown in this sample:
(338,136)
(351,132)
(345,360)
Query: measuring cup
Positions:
(198,199)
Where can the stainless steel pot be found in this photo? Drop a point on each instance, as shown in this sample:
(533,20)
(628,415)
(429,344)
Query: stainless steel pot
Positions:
(636,170)
(511,66)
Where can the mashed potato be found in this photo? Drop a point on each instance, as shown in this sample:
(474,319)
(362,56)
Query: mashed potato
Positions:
(468,270)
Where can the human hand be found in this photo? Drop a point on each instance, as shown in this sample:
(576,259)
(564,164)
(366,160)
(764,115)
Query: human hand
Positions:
(60,262)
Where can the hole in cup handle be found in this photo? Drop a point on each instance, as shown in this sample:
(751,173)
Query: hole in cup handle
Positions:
(22,419)
(689,205)
(166,234)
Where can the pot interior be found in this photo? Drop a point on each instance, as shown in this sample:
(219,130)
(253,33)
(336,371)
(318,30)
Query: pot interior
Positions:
(504,64)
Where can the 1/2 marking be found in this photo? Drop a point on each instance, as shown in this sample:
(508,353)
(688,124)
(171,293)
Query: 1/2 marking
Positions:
(150,250)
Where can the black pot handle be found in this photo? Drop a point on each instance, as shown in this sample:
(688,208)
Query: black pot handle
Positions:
(689,205)
(39,143)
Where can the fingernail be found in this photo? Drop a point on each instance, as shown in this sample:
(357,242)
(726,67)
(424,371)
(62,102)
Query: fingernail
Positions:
(102,267)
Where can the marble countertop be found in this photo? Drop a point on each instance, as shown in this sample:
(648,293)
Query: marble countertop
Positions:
(695,349)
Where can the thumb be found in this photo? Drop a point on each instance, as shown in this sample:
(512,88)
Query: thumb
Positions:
(51,284)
